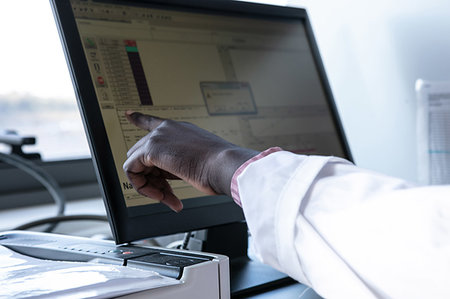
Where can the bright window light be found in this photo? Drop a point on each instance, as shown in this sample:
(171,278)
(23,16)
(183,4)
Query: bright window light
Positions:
(36,93)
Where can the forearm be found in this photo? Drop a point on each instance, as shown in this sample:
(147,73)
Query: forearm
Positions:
(262,187)
(345,231)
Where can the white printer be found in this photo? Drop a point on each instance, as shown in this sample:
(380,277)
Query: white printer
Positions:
(189,274)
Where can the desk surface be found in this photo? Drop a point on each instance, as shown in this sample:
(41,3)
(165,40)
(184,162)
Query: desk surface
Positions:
(12,218)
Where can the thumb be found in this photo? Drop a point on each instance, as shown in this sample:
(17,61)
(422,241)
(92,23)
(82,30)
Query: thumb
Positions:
(143,121)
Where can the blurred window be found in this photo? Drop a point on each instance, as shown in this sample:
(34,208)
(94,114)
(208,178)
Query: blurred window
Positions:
(36,93)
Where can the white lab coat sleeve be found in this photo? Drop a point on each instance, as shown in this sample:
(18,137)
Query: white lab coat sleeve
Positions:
(347,232)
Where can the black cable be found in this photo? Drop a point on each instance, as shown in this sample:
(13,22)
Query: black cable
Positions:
(187,237)
(43,177)
(58,219)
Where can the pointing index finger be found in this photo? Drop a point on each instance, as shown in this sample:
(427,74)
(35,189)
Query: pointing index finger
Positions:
(143,121)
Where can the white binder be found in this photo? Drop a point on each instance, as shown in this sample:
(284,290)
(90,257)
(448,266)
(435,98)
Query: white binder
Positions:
(433,132)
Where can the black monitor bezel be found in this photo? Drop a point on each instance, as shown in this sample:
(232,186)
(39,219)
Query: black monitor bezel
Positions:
(124,228)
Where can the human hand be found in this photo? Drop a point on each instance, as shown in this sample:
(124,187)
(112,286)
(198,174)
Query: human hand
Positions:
(180,150)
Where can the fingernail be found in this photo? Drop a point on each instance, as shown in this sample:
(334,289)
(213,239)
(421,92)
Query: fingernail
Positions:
(178,208)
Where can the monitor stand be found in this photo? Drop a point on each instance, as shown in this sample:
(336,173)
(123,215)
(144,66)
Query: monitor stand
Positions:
(246,276)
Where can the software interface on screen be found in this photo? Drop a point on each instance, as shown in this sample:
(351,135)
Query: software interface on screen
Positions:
(251,81)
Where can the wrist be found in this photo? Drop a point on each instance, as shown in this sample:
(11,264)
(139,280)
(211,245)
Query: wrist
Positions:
(224,165)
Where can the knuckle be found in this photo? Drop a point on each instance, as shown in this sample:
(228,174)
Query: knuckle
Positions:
(126,165)
(159,134)
(155,138)
(166,124)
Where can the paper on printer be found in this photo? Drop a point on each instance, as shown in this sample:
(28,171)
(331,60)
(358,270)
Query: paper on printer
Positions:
(26,277)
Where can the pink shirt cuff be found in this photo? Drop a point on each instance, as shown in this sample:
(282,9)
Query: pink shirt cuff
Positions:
(234,184)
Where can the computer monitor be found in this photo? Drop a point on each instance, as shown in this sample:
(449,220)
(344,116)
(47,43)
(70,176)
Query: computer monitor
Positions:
(248,72)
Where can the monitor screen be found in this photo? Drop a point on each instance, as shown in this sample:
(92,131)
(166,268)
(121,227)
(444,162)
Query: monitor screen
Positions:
(246,72)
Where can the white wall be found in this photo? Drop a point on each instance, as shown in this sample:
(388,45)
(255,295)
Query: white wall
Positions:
(373,52)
